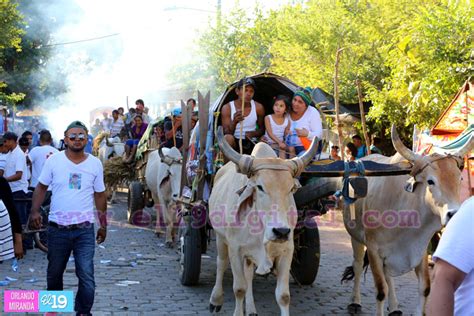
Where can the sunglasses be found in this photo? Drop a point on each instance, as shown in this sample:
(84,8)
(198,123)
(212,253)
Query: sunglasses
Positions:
(74,136)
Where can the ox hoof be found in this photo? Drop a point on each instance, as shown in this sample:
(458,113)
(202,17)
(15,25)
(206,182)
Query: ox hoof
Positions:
(213,308)
(395,313)
(354,308)
(169,244)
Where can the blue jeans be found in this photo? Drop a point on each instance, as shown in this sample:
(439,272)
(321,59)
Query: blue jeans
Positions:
(81,242)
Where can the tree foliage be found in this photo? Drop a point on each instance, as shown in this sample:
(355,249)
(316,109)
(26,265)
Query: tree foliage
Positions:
(411,56)
(10,38)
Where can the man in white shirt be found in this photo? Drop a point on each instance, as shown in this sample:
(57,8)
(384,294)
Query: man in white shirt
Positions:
(117,124)
(77,181)
(452,289)
(16,174)
(38,155)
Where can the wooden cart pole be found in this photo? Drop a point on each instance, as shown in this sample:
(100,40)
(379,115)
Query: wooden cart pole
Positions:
(186,127)
(242,122)
(203,113)
(362,116)
(336,100)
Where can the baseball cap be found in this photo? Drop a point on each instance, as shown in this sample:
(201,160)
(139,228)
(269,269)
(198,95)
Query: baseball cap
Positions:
(176,112)
(248,82)
(76,124)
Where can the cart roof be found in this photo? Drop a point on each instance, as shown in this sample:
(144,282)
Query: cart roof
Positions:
(268,85)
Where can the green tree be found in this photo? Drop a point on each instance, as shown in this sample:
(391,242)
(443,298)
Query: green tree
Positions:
(10,38)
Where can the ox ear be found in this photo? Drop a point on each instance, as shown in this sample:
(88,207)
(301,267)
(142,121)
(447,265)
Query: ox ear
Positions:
(296,186)
(246,195)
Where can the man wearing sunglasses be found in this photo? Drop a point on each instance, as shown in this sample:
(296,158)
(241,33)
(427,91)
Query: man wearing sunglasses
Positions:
(77,181)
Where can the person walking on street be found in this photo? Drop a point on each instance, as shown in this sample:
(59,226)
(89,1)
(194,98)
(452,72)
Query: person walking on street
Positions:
(77,181)
(16,173)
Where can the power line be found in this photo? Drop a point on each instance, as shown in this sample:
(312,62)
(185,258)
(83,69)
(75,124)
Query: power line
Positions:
(83,40)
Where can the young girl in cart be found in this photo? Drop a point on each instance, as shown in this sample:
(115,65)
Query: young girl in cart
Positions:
(277,127)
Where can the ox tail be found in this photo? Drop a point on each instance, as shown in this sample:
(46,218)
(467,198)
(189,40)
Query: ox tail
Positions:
(348,274)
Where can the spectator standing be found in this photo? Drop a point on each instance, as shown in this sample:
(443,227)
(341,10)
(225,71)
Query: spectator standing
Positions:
(16,175)
(10,226)
(40,154)
(29,136)
(77,181)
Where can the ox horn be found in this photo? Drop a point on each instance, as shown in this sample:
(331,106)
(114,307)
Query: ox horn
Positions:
(162,156)
(309,154)
(227,150)
(400,148)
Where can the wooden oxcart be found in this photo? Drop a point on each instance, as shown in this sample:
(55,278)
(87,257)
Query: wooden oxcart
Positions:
(311,199)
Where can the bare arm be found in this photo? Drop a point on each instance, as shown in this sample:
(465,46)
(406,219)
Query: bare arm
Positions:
(101,206)
(15,177)
(100,199)
(38,198)
(227,121)
(446,279)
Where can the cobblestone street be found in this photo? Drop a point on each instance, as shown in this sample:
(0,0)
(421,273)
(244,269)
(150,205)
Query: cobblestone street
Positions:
(135,274)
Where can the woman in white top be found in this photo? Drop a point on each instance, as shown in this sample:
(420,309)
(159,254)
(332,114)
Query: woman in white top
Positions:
(277,125)
(305,122)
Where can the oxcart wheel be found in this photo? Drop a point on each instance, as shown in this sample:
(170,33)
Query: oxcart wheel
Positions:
(135,200)
(305,264)
(190,250)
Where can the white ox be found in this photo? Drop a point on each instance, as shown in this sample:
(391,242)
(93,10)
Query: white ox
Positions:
(253,213)
(396,226)
(163,179)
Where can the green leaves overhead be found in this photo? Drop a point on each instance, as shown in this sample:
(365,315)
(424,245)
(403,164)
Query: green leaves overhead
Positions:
(411,56)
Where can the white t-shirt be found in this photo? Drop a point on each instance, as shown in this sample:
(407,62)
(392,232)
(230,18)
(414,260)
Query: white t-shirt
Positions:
(73,187)
(3,161)
(457,248)
(38,156)
(16,161)
(311,120)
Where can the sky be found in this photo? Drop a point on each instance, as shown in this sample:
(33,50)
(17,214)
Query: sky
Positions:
(149,37)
